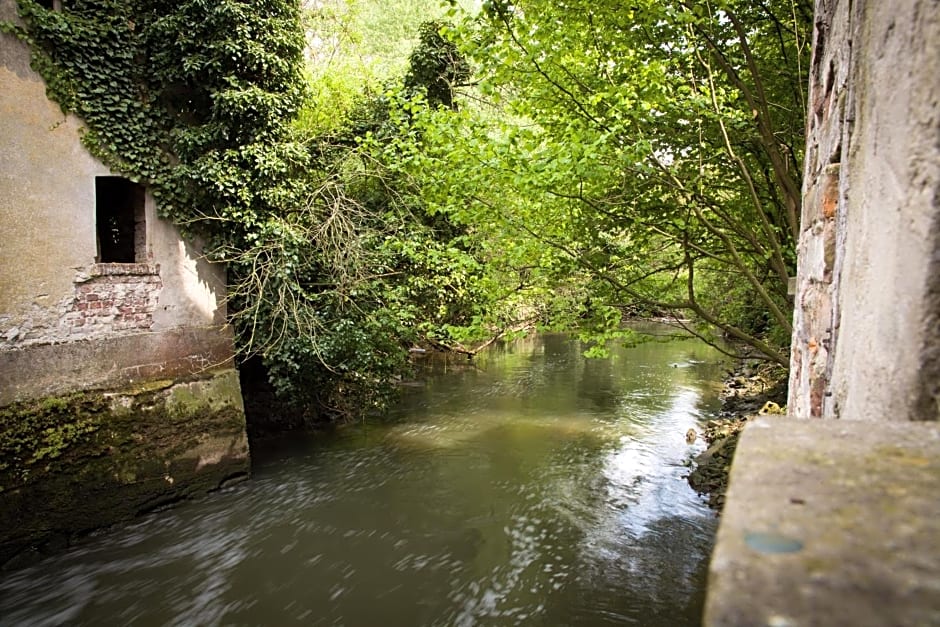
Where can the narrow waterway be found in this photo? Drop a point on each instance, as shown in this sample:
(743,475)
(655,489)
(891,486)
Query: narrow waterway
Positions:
(531,487)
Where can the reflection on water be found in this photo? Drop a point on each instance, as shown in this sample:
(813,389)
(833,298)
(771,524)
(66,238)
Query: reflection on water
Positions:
(532,487)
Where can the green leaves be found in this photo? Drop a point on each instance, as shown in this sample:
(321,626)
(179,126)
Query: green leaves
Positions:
(602,159)
(647,150)
(167,88)
(436,68)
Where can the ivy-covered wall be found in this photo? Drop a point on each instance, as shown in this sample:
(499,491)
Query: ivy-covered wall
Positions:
(118,391)
(193,99)
(198,101)
(55,293)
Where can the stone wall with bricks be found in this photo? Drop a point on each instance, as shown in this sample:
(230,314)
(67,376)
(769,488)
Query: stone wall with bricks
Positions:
(55,289)
(110,300)
(113,341)
(117,298)
(866,341)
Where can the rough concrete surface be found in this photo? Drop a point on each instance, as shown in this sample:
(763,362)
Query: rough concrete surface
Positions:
(119,453)
(866,330)
(894,196)
(52,369)
(830,523)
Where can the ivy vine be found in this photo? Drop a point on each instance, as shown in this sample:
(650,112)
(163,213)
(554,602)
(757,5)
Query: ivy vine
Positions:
(330,275)
(194,99)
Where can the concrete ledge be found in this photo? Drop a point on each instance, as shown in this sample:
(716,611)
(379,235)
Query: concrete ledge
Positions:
(51,369)
(124,269)
(830,522)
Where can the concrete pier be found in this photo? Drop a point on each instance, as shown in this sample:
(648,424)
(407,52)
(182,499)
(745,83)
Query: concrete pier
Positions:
(830,523)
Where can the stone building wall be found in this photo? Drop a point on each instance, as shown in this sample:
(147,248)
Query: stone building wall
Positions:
(836,523)
(57,289)
(866,341)
(115,300)
(118,391)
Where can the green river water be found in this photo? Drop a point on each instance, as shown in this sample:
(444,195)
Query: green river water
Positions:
(529,487)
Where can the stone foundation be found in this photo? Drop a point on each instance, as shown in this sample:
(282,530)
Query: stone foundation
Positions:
(54,369)
(71,464)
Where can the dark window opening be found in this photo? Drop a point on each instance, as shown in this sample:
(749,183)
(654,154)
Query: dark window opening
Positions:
(51,5)
(119,215)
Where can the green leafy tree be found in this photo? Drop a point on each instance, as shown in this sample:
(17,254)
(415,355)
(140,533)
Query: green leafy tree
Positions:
(655,149)
(603,160)
(200,101)
(436,67)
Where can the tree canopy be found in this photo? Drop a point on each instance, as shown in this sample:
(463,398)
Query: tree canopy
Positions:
(652,151)
(561,164)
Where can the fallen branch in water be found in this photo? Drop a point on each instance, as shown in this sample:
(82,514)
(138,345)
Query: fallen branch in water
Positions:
(471,352)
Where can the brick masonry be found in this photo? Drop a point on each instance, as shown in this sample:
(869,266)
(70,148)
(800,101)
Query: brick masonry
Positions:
(109,300)
(816,315)
(115,299)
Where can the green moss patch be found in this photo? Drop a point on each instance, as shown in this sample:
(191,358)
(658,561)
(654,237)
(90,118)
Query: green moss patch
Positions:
(34,434)
(79,462)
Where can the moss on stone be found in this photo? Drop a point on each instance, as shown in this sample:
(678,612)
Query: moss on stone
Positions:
(78,462)
(148,386)
(32,434)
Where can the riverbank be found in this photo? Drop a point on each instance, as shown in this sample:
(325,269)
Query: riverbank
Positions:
(750,389)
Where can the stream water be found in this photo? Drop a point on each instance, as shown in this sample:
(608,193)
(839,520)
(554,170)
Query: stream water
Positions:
(531,487)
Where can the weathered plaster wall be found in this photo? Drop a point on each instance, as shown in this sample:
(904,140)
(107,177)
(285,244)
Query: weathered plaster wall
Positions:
(194,290)
(867,324)
(117,387)
(53,292)
(53,218)
(47,197)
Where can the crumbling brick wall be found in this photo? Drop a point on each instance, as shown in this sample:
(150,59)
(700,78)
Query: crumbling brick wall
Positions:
(117,298)
(109,300)
(828,125)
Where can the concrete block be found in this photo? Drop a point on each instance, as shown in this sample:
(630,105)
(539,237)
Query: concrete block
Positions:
(53,369)
(830,522)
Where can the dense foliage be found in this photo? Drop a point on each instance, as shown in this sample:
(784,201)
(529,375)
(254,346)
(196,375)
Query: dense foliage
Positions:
(193,98)
(648,154)
(552,163)
(330,278)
